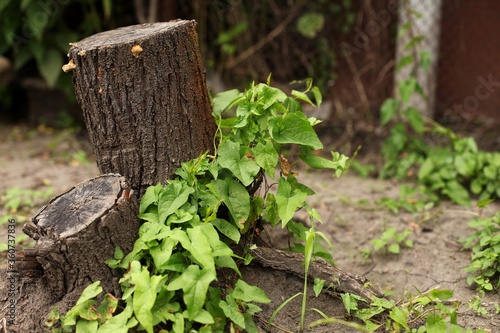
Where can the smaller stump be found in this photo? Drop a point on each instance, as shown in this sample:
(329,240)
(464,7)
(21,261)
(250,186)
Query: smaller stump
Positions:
(80,229)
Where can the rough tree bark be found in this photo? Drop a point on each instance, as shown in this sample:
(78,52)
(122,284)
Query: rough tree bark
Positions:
(145,102)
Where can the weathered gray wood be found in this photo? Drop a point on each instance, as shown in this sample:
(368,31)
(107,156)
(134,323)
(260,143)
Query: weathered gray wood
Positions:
(144,97)
(80,229)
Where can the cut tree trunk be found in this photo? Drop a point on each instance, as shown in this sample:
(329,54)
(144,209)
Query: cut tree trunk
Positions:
(144,98)
(75,234)
(78,230)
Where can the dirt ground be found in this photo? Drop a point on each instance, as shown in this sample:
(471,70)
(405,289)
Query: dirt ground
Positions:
(42,159)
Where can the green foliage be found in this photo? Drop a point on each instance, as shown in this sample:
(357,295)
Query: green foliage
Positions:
(411,199)
(172,279)
(18,199)
(485,260)
(455,169)
(431,312)
(37,30)
(391,240)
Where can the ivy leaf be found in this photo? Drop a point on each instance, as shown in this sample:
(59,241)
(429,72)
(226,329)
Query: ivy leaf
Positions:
(235,197)
(231,310)
(248,293)
(118,323)
(149,197)
(426,169)
(266,157)
(194,282)
(388,110)
(337,163)
(288,200)
(415,119)
(201,251)
(270,95)
(435,324)
(85,326)
(175,194)
(457,193)
(406,88)
(317,96)
(295,128)
(302,96)
(227,229)
(223,100)
(270,213)
(144,297)
(243,167)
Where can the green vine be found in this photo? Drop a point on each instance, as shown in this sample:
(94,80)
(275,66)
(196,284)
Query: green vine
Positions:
(173,275)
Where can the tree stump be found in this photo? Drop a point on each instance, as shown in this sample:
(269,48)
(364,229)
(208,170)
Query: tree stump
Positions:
(78,230)
(144,98)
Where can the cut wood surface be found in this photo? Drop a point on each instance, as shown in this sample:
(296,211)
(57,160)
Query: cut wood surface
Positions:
(80,229)
(144,97)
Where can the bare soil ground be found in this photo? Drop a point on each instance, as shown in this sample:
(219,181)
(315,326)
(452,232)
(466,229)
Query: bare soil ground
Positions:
(42,159)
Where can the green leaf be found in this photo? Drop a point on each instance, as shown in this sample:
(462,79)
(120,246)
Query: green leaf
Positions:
(317,96)
(50,67)
(425,169)
(144,297)
(388,110)
(248,293)
(393,248)
(456,192)
(442,294)
(435,324)
(406,89)
(90,292)
(235,197)
(318,286)
(173,196)
(231,310)
(310,24)
(201,250)
(227,229)
(270,213)
(222,100)
(295,128)
(271,95)
(415,119)
(302,96)
(85,326)
(266,157)
(404,61)
(149,197)
(338,161)
(243,167)
(288,200)
(118,323)
(194,282)
(400,316)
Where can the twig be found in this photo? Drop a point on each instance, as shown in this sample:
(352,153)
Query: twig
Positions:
(269,37)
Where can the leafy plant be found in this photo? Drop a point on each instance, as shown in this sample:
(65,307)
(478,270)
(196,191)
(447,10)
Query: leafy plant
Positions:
(411,199)
(391,240)
(454,169)
(37,30)
(182,257)
(432,312)
(485,259)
